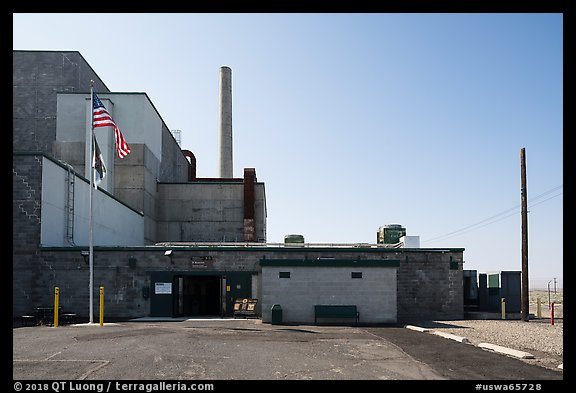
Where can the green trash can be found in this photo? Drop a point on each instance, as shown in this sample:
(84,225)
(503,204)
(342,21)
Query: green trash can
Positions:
(276,314)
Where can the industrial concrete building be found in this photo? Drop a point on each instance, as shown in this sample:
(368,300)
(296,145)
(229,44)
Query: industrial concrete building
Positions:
(167,243)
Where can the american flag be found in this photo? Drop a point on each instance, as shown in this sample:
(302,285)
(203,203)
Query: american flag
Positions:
(101,118)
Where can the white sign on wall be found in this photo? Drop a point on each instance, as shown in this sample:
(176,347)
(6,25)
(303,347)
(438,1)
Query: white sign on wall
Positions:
(163,288)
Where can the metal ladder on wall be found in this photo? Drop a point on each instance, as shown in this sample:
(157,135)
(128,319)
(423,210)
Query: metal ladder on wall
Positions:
(69,207)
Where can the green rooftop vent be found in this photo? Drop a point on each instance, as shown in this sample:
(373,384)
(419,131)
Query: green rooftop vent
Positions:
(294,239)
(390,234)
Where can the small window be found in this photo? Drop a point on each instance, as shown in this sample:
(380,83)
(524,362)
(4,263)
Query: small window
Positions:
(356,274)
(284,275)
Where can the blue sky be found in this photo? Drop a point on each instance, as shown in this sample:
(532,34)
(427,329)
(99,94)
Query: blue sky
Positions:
(355,121)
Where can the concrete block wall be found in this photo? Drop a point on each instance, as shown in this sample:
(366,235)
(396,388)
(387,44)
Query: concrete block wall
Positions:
(374,294)
(430,286)
(200,212)
(69,272)
(426,287)
(206,212)
(122,279)
(37,76)
(26,213)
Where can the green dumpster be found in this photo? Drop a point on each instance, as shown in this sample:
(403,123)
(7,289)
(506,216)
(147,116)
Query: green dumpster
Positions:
(276,314)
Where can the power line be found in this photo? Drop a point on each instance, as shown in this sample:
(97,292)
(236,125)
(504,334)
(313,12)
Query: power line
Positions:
(553,196)
(491,222)
(488,221)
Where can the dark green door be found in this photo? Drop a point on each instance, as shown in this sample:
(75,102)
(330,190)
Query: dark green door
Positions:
(178,296)
(240,287)
(161,294)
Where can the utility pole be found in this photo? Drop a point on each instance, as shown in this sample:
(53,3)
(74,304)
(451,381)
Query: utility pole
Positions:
(525,297)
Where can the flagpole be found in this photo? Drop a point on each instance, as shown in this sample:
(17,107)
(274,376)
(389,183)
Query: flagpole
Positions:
(90,220)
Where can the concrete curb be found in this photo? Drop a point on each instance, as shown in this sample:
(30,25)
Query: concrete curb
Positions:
(451,337)
(507,351)
(417,328)
(492,347)
(441,334)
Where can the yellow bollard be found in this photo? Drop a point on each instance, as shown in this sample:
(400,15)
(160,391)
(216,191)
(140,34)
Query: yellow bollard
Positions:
(56,296)
(101,306)
(538,309)
(503,302)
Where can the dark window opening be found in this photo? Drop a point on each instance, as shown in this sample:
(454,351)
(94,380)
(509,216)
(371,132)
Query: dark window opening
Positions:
(356,274)
(284,275)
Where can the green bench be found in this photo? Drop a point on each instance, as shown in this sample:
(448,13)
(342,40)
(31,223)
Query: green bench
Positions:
(335,311)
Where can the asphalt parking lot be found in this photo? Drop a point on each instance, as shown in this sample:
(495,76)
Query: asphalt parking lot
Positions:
(250,350)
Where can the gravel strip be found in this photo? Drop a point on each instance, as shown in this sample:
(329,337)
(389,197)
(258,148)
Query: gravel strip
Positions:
(535,335)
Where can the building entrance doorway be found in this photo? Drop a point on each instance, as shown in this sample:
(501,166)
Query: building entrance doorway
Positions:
(197,295)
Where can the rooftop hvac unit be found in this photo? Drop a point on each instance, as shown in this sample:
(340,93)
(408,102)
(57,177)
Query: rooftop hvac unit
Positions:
(294,240)
(390,234)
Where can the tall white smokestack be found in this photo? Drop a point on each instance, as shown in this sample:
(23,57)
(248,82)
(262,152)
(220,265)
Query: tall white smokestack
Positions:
(225,124)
